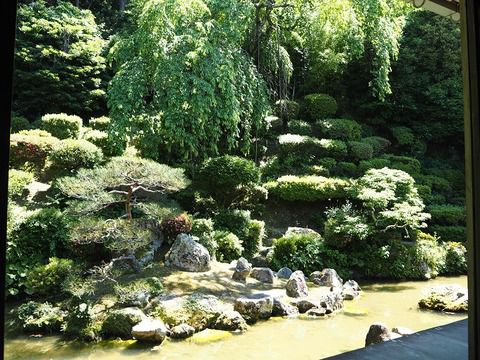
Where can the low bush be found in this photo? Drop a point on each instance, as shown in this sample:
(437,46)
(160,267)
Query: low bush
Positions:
(72,155)
(305,145)
(328,162)
(360,150)
(308,188)
(455,258)
(229,246)
(345,169)
(375,163)
(17,182)
(173,226)
(100,123)
(40,317)
(447,214)
(403,135)
(236,221)
(340,129)
(203,229)
(31,147)
(379,144)
(425,192)
(449,233)
(128,294)
(18,123)
(300,127)
(109,146)
(287,109)
(62,126)
(405,163)
(253,241)
(319,106)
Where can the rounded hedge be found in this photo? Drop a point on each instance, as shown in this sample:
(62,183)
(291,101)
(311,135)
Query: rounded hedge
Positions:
(319,106)
(378,143)
(17,181)
(18,123)
(104,141)
(341,129)
(100,123)
(299,127)
(360,150)
(62,126)
(229,246)
(71,154)
(31,146)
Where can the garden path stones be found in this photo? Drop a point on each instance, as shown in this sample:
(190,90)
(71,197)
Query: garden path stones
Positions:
(326,277)
(150,330)
(242,270)
(187,254)
(263,274)
(284,273)
(296,285)
(255,307)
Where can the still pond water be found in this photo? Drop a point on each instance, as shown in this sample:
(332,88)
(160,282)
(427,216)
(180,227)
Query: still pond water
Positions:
(394,304)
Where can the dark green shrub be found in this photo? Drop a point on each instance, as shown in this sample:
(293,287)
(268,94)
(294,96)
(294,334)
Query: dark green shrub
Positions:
(62,126)
(18,123)
(403,135)
(318,170)
(360,150)
(236,221)
(345,169)
(340,129)
(100,123)
(408,164)
(17,182)
(328,163)
(449,233)
(379,144)
(305,145)
(375,163)
(31,147)
(308,188)
(455,258)
(40,317)
(173,226)
(455,177)
(229,246)
(253,241)
(108,145)
(71,155)
(425,192)
(81,323)
(287,109)
(447,214)
(300,127)
(203,229)
(319,106)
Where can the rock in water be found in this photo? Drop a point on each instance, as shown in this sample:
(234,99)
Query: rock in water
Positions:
(326,277)
(316,312)
(332,301)
(263,274)
(231,321)
(242,270)
(450,298)
(282,309)
(181,331)
(254,308)
(187,254)
(379,333)
(305,305)
(150,330)
(284,273)
(296,285)
(350,290)
(400,330)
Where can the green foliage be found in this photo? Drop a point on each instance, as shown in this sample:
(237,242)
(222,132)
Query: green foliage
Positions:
(253,241)
(308,188)
(447,214)
(31,147)
(319,106)
(375,163)
(403,135)
(18,123)
(379,144)
(229,246)
(203,229)
(306,145)
(287,109)
(17,182)
(101,123)
(72,154)
(360,150)
(62,126)
(47,280)
(40,317)
(129,293)
(455,258)
(300,127)
(101,139)
(342,129)
(80,323)
(173,226)
(449,233)
(345,169)
(197,97)
(408,164)
(59,65)
(236,221)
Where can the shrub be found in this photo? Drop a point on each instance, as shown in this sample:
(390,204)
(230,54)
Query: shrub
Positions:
(31,147)
(379,144)
(73,154)
(253,240)
(203,229)
(360,150)
(40,317)
(108,145)
(408,164)
(319,106)
(328,162)
(100,123)
(62,126)
(341,129)
(346,169)
(128,294)
(173,226)
(455,258)
(449,233)
(44,280)
(447,214)
(236,221)
(18,123)
(308,188)
(425,192)
(300,127)
(17,181)
(80,323)
(305,145)
(229,246)
(403,135)
(375,163)
(455,177)
(287,109)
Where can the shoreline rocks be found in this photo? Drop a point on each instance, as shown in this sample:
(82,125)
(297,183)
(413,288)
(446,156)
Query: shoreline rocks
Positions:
(378,333)
(187,254)
(326,277)
(448,298)
(296,285)
(150,330)
(255,307)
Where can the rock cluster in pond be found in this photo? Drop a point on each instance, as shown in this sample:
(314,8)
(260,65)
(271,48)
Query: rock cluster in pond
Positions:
(150,330)
(255,307)
(378,333)
(187,254)
(242,270)
(448,298)
(326,277)
(303,305)
(296,285)
(280,308)
(263,274)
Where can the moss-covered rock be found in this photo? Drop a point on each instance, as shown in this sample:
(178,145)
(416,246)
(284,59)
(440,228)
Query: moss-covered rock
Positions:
(447,298)
(119,323)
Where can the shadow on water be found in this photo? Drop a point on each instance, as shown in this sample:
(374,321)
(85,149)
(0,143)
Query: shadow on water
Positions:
(387,288)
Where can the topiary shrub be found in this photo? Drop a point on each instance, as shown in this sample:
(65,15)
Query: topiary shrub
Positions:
(100,123)
(299,127)
(403,135)
(62,126)
(287,109)
(40,317)
(308,188)
(319,106)
(375,163)
(229,246)
(447,214)
(405,163)
(108,145)
(341,129)
(455,258)
(345,169)
(31,147)
(173,226)
(360,150)
(449,233)
(425,193)
(203,229)
(18,123)
(17,182)
(71,155)
(379,144)
(306,145)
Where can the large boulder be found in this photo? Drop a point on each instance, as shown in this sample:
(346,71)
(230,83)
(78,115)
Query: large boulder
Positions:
(263,274)
(150,330)
(230,320)
(296,285)
(181,331)
(332,301)
(350,290)
(119,323)
(281,308)
(187,254)
(379,333)
(242,269)
(284,273)
(449,298)
(255,307)
(326,277)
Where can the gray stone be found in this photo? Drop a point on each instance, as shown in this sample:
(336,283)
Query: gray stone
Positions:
(284,273)
(316,312)
(150,330)
(379,333)
(400,330)
(187,254)
(260,261)
(326,277)
(332,301)
(304,305)
(350,290)
(449,298)
(230,320)
(255,307)
(181,331)
(119,323)
(263,274)
(282,309)
(296,285)
(242,270)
